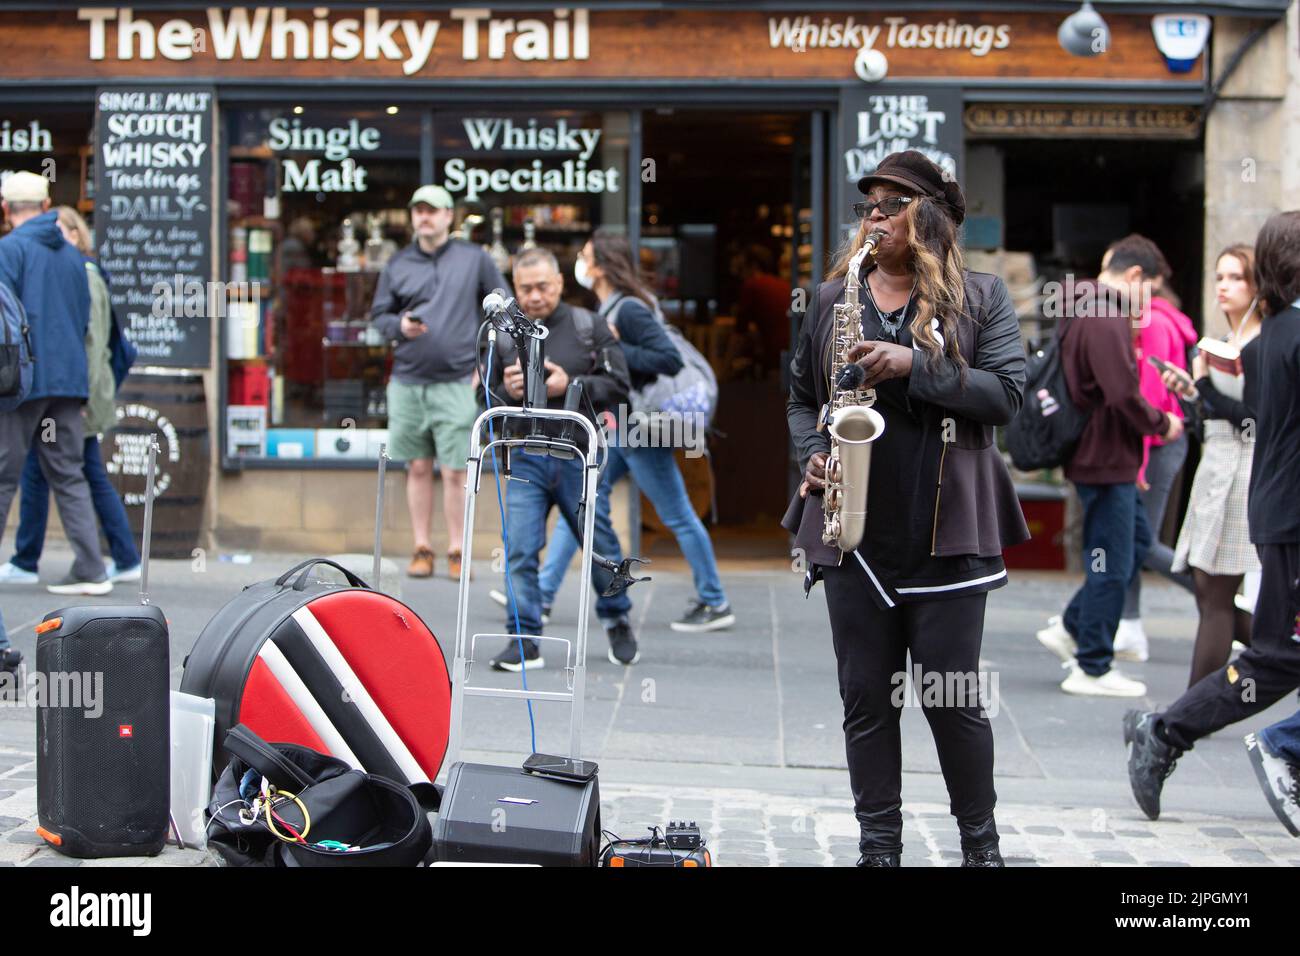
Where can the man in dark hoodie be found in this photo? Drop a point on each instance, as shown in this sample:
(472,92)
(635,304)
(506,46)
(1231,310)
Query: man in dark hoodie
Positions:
(1101,373)
(48,275)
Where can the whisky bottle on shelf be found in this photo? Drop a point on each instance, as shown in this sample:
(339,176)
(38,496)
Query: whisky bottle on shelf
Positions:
(498,251)
(530,234)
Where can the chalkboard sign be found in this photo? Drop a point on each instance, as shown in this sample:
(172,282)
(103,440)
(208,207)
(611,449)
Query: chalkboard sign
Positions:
(153,216)
(875,123)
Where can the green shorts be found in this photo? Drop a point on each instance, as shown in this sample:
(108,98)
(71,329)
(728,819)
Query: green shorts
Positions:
(431,421)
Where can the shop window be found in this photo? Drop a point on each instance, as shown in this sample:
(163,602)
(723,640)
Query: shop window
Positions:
(316,204)
(53,143)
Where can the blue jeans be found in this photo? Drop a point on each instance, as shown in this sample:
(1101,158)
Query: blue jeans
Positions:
(34,512)
(655,472)
(552,482)
(4,635)
(1116,537)
(1283,738)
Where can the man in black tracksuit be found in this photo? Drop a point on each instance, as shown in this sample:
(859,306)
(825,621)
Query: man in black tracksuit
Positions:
(1269,668)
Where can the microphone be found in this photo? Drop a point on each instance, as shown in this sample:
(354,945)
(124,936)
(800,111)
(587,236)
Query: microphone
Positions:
(851,377)
(497,303)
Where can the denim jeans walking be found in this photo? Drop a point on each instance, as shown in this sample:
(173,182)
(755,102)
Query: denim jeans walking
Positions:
(1283,738)
(655,472)
(1163,466)
(34,511)
(1116,537)
(552,482)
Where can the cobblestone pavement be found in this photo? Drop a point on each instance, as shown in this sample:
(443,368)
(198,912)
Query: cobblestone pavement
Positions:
(751,828)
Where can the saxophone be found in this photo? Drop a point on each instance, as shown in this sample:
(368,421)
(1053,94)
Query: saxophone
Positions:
(851,421)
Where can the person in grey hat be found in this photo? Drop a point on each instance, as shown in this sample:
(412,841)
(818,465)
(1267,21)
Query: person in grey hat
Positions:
(428,303)
(48,275)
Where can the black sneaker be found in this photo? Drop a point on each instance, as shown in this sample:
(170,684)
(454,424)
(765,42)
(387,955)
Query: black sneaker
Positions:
(1280,781)
(984,859)
(1150,762)
(622,644)
(705,617)
(1131,718)
(10,659)
(508,659)
(885,860)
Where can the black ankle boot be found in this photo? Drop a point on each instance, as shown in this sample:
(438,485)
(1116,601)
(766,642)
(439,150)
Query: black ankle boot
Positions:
(880,859)
(979,844)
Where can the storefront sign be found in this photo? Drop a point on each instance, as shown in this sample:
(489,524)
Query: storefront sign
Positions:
(336,143)
(595,42)
(22,145)
(496,137)
(873,125)
(1072,121)
(153,214)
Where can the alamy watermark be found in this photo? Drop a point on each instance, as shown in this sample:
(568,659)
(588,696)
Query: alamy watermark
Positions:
(78,690)
(627,428)
(957,689)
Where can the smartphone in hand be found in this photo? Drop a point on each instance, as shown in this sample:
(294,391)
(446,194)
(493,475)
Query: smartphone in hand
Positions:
(1163,366)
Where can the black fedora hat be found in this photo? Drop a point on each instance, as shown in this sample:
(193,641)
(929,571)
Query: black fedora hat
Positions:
(912,170)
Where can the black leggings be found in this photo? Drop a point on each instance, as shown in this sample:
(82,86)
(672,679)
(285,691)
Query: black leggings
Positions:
(871,649)
(1220,624)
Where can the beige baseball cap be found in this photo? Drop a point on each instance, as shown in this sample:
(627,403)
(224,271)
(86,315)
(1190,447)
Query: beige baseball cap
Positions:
(25,187)
(435,196)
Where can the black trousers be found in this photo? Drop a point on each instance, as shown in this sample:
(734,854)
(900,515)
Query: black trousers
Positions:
(871,650)
(1264,673)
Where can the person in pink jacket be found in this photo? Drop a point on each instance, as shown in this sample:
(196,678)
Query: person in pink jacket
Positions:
(1167,334)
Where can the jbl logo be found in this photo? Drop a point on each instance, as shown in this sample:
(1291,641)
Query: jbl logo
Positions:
(124,730)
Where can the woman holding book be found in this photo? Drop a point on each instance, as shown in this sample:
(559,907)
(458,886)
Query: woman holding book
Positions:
(1215,542)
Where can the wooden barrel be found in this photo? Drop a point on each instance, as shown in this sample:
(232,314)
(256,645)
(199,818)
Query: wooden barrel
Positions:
(173,406)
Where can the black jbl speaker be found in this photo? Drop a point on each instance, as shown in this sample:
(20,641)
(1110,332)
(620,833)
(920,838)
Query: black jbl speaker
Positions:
(504,815)
(103,731)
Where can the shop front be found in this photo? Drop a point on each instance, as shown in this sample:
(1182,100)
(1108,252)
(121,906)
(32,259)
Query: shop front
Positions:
(246,170)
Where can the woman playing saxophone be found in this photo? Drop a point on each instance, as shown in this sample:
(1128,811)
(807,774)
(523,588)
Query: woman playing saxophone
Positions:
(940,349)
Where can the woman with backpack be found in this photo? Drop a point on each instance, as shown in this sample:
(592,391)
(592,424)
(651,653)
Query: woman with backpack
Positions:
(1214,541)
(605,266)
(100,415)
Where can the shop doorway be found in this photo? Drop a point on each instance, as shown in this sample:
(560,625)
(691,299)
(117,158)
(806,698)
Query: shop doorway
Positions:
(726,233)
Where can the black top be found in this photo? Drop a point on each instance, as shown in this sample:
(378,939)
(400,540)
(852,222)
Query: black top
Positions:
(1274,504)
(1216,405)
(646,346)
(941,506)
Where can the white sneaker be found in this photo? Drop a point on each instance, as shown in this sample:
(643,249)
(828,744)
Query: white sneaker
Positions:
(10,573)
(500,598)
(1131,641)
(1057,639)
(70,585)
(126,576)
(1110,684)
(1238,647)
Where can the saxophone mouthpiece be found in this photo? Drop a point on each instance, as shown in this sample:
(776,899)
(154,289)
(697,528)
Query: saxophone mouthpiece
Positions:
(873,240)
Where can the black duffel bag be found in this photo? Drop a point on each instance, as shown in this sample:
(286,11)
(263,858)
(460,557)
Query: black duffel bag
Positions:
(385,822)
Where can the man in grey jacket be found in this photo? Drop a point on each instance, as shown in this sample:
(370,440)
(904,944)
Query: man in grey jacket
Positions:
(428,303)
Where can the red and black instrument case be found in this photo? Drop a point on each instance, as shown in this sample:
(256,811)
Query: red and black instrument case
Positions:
(342,669)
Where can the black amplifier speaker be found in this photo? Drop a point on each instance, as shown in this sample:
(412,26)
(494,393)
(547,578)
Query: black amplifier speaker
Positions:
(505,815)
(103,731)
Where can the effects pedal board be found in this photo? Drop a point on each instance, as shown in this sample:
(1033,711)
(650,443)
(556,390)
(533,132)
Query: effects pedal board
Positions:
(679,844)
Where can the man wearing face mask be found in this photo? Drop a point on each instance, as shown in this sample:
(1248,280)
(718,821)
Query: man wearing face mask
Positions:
(578,347)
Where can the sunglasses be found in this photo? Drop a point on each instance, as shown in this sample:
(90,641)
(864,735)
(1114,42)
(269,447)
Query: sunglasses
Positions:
(889,206)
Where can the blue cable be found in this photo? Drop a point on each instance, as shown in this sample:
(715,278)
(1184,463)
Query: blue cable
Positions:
(505,543)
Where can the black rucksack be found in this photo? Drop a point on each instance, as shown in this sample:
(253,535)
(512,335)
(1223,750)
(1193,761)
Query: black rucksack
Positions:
(1047,429)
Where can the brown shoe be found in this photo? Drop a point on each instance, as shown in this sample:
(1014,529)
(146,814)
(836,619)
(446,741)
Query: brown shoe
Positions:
(421,565)
(453,566)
